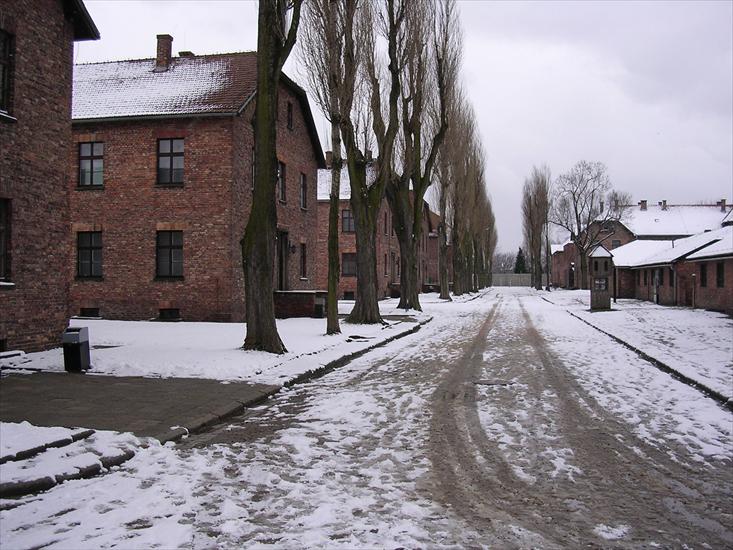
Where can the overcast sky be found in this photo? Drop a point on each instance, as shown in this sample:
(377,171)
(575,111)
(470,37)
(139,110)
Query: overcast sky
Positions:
(646,88)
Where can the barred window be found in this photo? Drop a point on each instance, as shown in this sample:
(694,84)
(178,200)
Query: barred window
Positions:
(4,239)
(6,70)
(303,191)
(348,264)
(347,221)
(282,181)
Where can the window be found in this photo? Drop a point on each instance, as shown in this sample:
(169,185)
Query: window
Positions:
(385,265)
(645,276)
(615,243)
(348,265)
(281,181)
(347,221)
(720,274)
(6,71)
(671,277)
(386,226)
(303,191)
(703,275)
(169,314)
(89,254)
(661,276)
(595,265)
(169,254)
(91,163)
(89,312)
(303,261)
(605,265)
(638,277)
(170,161)
(290,115)
(4,239)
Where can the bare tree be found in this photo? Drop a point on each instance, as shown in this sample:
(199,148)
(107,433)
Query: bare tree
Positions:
(503,262)
(367,192)
(322,50)
(535,206)
(274,43)
(431,61)
(585,204)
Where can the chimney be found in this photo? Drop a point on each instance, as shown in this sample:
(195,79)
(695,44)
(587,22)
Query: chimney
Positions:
(185,53)
(642,204)
(163,54)
(722,205)
(329,159)
(664,204)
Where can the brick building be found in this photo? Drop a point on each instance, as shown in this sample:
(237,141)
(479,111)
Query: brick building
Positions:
(388,250)
(161,179)
(643,222)
(36,51)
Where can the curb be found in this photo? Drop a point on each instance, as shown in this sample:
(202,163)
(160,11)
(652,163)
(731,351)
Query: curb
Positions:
(33,486)
(29,453)
(726,402)
(235,407)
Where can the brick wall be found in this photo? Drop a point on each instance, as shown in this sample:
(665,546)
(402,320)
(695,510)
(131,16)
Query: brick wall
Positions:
(711,296)
(33,153)
(211,208)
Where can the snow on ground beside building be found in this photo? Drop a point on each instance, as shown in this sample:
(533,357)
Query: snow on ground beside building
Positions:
(660,409)
(16,437)
(212,350)
(694,342)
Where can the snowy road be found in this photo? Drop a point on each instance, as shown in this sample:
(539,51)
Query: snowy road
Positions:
(505,422)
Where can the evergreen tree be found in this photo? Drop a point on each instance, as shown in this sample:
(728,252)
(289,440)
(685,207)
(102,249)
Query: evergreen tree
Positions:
(520,265)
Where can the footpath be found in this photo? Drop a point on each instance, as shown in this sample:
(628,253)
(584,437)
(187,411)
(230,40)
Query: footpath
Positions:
(195,377)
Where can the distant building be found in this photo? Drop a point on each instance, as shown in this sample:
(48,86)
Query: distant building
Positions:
(36,51)
(161,181)
(388,251)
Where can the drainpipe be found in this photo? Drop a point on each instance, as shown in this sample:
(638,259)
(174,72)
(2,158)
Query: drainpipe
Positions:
(615,284)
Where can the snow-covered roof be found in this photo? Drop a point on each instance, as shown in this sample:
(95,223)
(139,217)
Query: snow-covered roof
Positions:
(633,253)
(600,251)
(674,221)
(724,247)
(219,83)
(556,248)
(682,247)
(324,182)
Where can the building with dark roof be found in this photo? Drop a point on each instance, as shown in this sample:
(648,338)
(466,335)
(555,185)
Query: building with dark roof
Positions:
(161,180)
(36,51)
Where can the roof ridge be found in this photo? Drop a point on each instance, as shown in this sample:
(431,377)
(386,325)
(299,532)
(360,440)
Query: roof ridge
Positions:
(221,54)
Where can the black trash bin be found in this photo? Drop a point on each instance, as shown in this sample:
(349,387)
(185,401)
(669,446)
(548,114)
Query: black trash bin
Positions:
(76,349)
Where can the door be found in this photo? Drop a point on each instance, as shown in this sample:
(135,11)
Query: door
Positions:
(655,287)
(283,253)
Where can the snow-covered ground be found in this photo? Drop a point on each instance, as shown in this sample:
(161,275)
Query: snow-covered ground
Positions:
(694,342)
(346,460)
(213,350)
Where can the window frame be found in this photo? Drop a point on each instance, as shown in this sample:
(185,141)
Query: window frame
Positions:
(303,191)
(88,251)
(703,275)
(348,259)
(282,186)
(720,274)
(7,66)
(6,227)
(170,155)
(91,157)
(166,249)
(347,221)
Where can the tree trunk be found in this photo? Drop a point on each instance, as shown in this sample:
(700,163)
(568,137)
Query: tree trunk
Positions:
(258,244)
(548,255)
(583,270)
(332,313)
(443,260)
(403,220)
(365,208)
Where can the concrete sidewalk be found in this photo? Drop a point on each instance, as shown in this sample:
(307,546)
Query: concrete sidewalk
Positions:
(144,406)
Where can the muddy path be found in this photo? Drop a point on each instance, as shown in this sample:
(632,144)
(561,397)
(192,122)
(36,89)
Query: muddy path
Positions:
(515,440)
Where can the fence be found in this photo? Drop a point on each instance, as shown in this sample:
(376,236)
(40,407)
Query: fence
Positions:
(515,279)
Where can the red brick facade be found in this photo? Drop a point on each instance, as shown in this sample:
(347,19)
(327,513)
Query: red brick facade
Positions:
(35,138)
(210,208)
